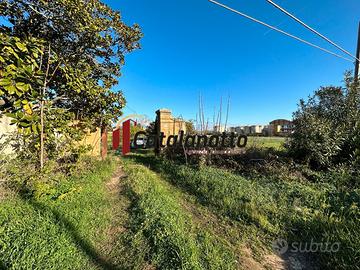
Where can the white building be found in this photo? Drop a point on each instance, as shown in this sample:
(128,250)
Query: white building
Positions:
(248,130)
(219,128)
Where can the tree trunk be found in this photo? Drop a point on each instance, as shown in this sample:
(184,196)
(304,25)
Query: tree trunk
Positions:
(42,148)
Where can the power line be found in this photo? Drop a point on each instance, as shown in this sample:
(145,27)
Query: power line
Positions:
(279,30)
(310,28)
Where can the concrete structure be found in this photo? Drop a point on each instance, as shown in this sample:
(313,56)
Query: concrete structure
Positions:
(92,139)
(170,125)
(5,130)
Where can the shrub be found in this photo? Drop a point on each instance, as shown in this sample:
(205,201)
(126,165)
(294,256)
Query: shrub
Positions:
(327,126)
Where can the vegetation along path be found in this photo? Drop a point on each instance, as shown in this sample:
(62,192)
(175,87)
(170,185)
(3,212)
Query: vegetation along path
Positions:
(237,245)
(142,212)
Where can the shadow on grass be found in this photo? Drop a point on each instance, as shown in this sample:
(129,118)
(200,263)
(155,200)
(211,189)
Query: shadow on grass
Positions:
(83,244)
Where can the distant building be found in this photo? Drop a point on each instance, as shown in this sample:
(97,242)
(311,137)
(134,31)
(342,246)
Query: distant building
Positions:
(231,129)
(278,127)
(281,127)
(256,129)
(248,130)
(237,130)
(218,128)
(267,130)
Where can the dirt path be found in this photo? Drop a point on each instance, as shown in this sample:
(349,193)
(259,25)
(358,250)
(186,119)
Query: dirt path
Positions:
(119,204)
(228,230)
(117,246)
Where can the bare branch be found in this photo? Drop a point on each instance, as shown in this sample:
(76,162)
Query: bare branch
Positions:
(227,112)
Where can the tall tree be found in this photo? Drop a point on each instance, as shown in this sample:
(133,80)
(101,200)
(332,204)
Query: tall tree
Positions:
(80,49)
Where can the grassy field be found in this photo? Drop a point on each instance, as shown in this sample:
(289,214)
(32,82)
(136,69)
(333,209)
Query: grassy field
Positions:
(265,210)
(266,142)
(157,214)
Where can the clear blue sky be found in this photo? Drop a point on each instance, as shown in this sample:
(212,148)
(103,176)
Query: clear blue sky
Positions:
(193,46)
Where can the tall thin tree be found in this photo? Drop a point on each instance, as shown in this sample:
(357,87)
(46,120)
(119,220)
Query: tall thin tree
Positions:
(42,120)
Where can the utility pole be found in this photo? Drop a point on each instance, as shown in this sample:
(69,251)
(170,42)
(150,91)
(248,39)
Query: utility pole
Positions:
(357,63)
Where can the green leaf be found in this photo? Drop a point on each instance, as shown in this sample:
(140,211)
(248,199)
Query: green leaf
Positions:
(4,82)
(11,89)
(34,129)
(21,46)
(23,124)
(11,115)
(12,52)
(17,103)
(21,86)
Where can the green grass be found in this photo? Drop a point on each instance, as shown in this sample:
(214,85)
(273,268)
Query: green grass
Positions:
(297,211)
(66,225)
(62,229)
(166,215)
(173,240)
(266,142)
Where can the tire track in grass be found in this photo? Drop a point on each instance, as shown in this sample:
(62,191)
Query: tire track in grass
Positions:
(119,247)
(118,208)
